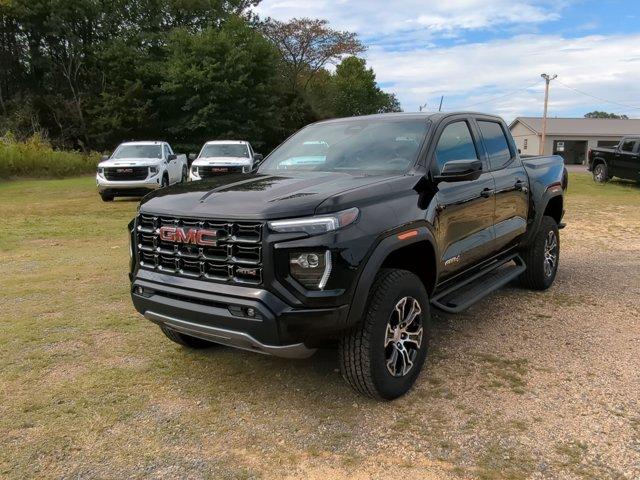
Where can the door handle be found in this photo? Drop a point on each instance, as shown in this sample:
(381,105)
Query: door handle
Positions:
(487,192)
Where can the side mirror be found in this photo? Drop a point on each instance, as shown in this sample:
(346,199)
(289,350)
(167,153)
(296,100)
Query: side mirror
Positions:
(460,171)
(258,157)
(172,156)
(104,158)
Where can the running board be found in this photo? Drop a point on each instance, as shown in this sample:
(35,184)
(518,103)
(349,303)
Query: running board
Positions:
(462,295)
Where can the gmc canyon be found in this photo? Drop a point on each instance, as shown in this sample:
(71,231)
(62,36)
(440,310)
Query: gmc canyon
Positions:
(398,214)
(136,168)
(622,161)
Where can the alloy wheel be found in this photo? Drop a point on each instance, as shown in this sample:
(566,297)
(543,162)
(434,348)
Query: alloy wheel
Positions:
(550,253)
(403,337)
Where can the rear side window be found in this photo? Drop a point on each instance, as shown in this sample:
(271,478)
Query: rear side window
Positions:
(496,143)
(455,143)
(627,145)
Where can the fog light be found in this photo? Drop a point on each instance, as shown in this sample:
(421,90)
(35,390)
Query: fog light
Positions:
(251,312)
(311,269)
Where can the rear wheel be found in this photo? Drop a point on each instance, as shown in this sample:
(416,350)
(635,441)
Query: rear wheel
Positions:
(600,173)
(542,257)
(383,355)
(186,340)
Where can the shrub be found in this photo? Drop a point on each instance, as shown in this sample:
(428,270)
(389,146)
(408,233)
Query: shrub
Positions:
(36,158)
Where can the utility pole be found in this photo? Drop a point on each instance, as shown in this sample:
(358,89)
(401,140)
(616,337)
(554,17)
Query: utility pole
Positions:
(547,79)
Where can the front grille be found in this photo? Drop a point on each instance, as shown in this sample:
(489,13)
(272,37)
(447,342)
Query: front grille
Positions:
(213,171)
(236,256)
(126,173)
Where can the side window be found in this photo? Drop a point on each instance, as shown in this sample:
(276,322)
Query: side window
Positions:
(496,143)
(455,143)
(166,152)
(627,145)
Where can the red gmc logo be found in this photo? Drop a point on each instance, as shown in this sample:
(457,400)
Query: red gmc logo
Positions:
(195,236)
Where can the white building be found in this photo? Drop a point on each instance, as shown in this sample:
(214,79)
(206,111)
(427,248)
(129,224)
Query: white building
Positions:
(570,138)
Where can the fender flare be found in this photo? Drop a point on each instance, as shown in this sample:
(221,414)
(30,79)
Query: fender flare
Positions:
(379,254)
(537,219)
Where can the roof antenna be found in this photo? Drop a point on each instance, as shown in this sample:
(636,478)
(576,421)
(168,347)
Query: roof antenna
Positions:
(440,107)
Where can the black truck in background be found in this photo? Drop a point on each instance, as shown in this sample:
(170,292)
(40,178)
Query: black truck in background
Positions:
(350,231)
(622,161)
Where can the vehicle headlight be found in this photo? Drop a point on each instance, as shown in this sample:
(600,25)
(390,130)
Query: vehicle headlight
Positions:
(100,171)
(153,170)
(311,269)
(316,225)
(194,169)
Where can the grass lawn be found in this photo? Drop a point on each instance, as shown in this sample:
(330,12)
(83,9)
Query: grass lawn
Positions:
(90,389)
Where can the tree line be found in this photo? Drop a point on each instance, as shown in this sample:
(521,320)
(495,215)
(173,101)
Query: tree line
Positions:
(90,73)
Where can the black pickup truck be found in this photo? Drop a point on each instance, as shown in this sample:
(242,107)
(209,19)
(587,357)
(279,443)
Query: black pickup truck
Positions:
(352,241)
(622,161)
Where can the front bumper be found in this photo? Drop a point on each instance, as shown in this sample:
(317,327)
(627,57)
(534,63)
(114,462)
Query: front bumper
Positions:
(220,313)
(150,183)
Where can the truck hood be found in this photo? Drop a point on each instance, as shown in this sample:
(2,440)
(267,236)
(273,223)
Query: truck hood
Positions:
(254,196)
(131,162)
(223,161)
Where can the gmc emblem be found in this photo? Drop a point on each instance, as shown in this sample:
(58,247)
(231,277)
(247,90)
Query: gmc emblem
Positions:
(124,170)
(195,236)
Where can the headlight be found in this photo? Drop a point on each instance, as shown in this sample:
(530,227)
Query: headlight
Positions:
(316,225)
(311,269)
(153,170)
(194,169)
(100,171)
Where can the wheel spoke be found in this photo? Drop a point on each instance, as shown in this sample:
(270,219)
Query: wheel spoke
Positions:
(390,335)
(392,361)
(414,338)
(405,360)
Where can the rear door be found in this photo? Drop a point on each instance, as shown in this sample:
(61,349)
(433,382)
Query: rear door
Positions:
(511,182)
(627,160)
(464,210)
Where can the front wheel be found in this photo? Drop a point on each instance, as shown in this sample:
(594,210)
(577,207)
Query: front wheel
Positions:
(542,257)
(383,355)
(600,173)
(165,182)
(185,175)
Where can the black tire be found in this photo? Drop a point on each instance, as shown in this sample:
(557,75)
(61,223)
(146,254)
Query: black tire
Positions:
(106,197)
(600,173)
(538,276)
(366,351)
(165,182)
(186,340)
(185,175)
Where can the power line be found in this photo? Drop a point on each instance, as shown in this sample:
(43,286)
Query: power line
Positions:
(502,96)
(598,98)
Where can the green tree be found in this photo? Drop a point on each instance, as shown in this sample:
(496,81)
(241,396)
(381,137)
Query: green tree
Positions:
(221,83)
(355,91)
(599,114)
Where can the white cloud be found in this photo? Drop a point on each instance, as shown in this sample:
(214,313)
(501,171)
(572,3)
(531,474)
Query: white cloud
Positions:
(469,75)
(375,17)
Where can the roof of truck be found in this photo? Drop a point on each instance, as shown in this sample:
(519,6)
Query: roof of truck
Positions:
(148,142)
(232,142)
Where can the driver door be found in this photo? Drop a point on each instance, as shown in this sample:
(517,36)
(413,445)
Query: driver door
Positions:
(464,210)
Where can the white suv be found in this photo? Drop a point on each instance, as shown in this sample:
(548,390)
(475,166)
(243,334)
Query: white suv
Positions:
(136,168)
(221,157)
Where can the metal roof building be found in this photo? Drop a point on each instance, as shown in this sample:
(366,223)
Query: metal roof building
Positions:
(570,137)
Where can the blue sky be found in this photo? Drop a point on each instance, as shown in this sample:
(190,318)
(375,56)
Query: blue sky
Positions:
(488,55)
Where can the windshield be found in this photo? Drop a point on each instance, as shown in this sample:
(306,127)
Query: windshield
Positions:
(362,147)
(225,150)
(138,151)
